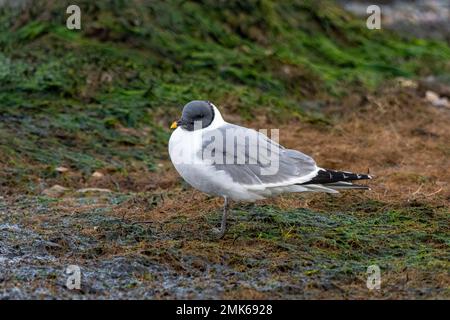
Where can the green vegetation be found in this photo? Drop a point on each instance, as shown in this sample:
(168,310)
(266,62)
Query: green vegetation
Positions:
(102,97)
(295,253)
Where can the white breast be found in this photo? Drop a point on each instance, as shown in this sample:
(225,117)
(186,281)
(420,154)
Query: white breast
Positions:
(185,154)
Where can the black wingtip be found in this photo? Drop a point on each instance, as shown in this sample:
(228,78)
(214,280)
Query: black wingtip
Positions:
(325,176)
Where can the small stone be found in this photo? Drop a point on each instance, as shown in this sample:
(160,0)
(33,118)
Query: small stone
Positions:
(407,83)
(54,191)
(61,169)
(435,100)
(97,174)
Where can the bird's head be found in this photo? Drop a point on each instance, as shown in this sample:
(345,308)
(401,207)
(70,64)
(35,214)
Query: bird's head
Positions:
(197,114)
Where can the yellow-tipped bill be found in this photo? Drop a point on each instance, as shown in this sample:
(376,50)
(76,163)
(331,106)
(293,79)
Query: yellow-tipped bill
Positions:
(173,125)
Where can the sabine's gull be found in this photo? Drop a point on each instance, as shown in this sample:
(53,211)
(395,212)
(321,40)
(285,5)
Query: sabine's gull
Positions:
(241,164)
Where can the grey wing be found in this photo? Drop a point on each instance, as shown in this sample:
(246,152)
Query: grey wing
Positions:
(251,158)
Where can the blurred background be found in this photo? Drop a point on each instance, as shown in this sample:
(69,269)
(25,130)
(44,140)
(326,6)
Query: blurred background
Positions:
(84,117)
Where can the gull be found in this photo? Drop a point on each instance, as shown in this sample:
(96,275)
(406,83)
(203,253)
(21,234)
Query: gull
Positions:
(242,164)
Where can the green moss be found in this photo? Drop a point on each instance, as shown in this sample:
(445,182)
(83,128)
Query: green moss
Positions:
(66,94)
(390,237)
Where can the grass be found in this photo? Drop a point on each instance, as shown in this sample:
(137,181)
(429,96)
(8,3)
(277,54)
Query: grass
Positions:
(103,96)
(301,253)
(101,99)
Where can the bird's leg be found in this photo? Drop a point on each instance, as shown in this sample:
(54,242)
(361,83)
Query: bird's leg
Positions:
(223,225)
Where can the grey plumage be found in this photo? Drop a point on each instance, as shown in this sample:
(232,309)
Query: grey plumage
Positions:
(225,155)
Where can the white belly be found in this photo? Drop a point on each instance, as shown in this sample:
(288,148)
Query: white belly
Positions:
(183,151)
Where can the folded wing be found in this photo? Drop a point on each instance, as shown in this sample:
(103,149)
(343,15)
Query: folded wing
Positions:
(251,158)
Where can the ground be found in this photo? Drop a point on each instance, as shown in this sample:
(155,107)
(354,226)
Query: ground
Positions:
(86,179)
